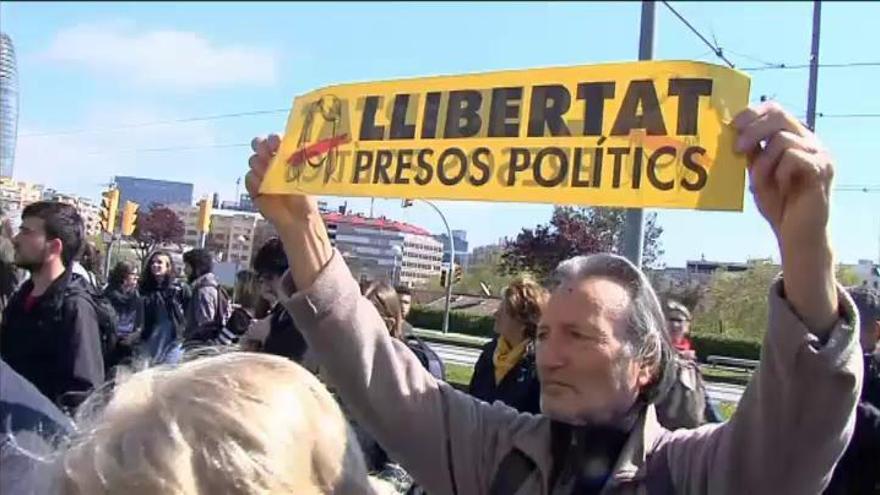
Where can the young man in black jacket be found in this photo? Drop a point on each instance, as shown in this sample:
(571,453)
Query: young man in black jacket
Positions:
(275,334)
(50,332)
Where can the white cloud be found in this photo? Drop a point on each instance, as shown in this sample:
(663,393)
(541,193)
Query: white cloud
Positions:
(82,163)
(167,58)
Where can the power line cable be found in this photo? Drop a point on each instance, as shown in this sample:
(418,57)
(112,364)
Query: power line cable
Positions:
(715,49)
(784,66)
(169,149)
(159,122)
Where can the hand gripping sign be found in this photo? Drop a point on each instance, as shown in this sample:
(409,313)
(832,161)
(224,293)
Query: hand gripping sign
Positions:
(641,134)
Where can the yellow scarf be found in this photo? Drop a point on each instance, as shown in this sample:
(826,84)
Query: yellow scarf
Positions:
(505,357)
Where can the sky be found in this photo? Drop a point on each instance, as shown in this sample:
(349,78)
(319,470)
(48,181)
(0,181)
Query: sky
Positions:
(89,73)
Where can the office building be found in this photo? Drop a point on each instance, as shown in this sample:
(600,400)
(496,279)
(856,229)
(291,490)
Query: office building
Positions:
(383,249)
(462,258)
(88,209)
(146,192)
(230,236)
(15,195)
(8,105)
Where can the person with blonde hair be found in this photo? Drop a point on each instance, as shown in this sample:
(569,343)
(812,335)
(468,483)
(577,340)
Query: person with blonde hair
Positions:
(505,370)
(234,423)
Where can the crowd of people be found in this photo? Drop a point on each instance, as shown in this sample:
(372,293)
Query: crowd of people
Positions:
(306,381)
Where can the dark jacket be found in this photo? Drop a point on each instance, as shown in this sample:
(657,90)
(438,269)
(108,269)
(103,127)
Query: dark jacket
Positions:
(518,389)
(857,472)
(129,307)
(171,297)
(429,359)
(57,345)
(284,338)
(30,425)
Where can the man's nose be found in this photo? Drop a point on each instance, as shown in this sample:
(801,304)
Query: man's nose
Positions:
(550,354)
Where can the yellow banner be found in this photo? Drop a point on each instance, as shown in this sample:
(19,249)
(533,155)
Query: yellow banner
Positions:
(640,134)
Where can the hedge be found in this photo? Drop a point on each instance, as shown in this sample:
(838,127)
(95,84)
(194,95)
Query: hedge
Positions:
(719,345)
(464,323)
(483,326)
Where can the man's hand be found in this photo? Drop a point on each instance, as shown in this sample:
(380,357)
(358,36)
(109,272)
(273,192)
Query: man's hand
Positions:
(279,210)
(295,217)
(790,173)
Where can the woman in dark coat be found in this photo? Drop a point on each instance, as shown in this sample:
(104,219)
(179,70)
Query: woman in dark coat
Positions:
(505,370)
(122,292)
(164,301)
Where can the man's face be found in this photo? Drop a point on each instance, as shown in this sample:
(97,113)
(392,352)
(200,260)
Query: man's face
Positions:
(586,370)
(270,287)
(32,250)
(678,325)
(131,281)
(405,304)
(870,334)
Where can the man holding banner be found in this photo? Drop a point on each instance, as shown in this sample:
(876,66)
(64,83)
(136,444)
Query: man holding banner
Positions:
(601,355)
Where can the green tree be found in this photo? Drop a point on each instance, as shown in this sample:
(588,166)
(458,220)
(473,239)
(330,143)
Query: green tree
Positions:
(574,231)
(847,276)
(735,304)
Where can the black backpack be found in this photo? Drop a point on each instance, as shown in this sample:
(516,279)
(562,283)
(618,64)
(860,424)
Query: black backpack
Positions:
(108,320)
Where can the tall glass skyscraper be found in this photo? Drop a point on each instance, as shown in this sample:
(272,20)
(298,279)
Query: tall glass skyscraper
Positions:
(8,105)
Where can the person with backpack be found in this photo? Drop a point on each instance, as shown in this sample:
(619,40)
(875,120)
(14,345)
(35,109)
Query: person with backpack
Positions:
(51,332)
(423,351)
(208,309)
(165,300)
(122,292)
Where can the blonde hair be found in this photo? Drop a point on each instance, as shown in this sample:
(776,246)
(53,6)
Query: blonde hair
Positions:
(237,423)
(524,300)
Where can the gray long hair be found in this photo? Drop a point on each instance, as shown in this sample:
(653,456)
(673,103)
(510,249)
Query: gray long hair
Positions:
(646,335)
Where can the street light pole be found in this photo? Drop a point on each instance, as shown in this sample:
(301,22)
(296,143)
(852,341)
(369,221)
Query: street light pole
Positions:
(814,66)
(449,277)
(633,233)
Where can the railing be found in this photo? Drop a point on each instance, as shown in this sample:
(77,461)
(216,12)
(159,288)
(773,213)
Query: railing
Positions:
(732,362)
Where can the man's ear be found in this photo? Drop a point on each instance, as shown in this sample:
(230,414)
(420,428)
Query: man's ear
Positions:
(55,247)
(646,376)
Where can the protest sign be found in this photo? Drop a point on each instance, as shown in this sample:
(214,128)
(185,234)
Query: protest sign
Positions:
(640,134)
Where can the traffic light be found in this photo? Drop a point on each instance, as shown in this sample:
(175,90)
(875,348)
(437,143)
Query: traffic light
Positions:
(458,273)
(109,207)
(205,208)
(129,217)
(443,277)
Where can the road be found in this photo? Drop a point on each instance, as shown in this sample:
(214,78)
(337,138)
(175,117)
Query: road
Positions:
(718,392)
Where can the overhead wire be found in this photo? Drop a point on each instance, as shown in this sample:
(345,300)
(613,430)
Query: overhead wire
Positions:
(157,123)
(715,48)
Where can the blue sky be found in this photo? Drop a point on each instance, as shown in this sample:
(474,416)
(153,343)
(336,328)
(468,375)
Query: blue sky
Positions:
(94,66)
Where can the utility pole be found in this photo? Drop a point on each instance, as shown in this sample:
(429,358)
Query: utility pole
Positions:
(814,66)
(633,234)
